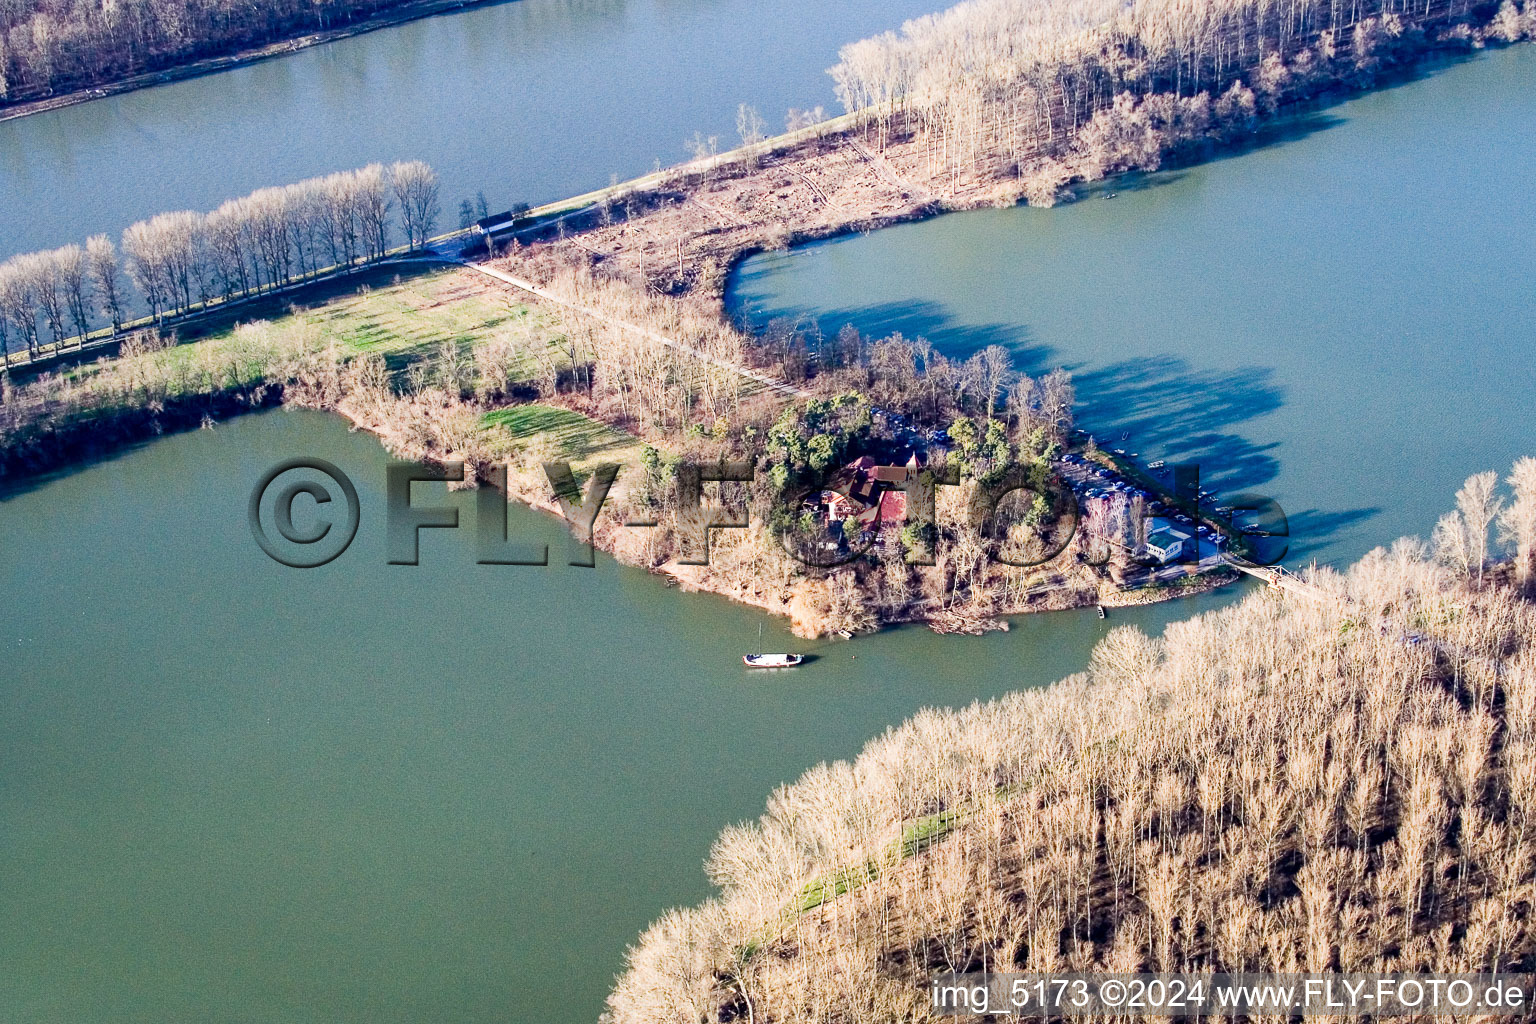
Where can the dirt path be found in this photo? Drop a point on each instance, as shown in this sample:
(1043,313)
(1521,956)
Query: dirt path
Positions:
(883,168)
(788,391)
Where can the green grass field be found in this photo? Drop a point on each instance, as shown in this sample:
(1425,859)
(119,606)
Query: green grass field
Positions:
(405,319)
(401,318)
(566,435)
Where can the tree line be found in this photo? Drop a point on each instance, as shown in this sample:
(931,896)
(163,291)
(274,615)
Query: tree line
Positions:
(1461,538)
(1335,782)
(182,260)
(53,46)
(992,85)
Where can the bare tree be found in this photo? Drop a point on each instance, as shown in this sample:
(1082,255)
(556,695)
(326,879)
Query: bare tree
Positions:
(305,224)
(105,278)
(146,266)
(798,119)
(18,300)
(339,217)
(1452,543)
(373,203)
(231,248)
(1479,505)
(180,239)
(269,212)
(996,374)
(18,306)
(75,278)
(416,189)
(1057,398)
(1517,523)
(43,269)
(749,125)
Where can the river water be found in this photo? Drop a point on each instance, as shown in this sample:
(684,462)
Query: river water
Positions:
(530,101)
(232,791)
(1341,320)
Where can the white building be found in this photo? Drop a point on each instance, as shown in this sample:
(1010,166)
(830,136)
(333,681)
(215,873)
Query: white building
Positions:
(1165,544)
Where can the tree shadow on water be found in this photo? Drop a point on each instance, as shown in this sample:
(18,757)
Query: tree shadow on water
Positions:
(912,320)
(1184,414)
(1312,530)
(1181,413)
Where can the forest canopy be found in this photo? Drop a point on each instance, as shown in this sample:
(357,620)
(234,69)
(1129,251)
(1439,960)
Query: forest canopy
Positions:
(1338,778)
(53,46)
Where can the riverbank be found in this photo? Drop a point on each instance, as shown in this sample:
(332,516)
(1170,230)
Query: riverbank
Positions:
(405,11)
(722,208)
(681,232)
(439,369)
(957,841)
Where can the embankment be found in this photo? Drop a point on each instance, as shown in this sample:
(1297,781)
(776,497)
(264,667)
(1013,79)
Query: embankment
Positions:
(387,15)
(1030,137)
(55,445)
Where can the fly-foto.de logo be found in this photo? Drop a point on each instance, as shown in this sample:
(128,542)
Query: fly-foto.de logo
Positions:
(305,513)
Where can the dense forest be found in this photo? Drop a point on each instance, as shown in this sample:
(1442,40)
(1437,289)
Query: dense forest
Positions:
(55,46)
(184,260)
(1083,88)
(1341,779)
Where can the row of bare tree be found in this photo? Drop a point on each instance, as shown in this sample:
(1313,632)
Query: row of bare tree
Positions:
(63,289)
(251,245)
(1335,782)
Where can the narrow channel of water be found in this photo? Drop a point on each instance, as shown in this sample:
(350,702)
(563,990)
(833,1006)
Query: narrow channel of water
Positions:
(1342,320)
(530,101)
(367,794)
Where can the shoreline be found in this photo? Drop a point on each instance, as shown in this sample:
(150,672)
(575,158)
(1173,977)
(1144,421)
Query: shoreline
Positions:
(702,200)
(61,451)
(410,10)
(607,533)
(690,216)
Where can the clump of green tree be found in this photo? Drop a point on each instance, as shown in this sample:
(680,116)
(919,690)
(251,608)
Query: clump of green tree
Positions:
(809,440)
(1341,780)
(184,260)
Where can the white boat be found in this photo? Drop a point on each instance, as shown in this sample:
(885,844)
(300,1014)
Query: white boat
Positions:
(761,660)
(772,660)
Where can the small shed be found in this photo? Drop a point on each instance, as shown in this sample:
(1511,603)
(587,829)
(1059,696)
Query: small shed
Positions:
(497,223)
